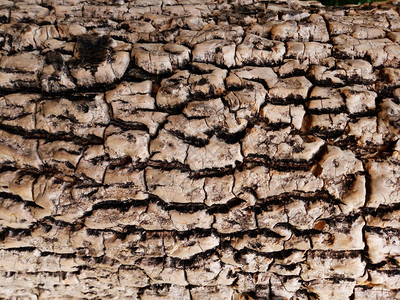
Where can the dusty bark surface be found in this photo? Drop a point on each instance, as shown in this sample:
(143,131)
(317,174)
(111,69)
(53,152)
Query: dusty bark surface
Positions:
(185,149)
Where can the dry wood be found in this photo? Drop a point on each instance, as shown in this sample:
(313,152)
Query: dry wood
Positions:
(199,149)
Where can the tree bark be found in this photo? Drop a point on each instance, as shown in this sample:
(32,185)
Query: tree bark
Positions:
(183,149)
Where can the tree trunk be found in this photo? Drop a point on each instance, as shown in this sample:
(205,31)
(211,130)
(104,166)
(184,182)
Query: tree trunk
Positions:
(199,149)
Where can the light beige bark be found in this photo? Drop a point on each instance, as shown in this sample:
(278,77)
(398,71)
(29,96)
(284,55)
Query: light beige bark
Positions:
(199,149)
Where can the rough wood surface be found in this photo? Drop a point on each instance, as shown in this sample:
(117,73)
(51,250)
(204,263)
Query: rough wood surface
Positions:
(199,149)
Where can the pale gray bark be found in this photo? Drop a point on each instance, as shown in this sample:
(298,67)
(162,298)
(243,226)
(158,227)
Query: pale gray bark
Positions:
(199,149)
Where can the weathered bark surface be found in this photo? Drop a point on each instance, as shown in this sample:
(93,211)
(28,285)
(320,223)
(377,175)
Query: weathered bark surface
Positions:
(185,149)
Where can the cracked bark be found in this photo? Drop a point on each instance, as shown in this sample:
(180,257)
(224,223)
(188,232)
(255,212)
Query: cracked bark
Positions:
(199,150)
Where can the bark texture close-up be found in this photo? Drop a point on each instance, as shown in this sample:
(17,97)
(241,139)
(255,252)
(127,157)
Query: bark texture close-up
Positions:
(199,149)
